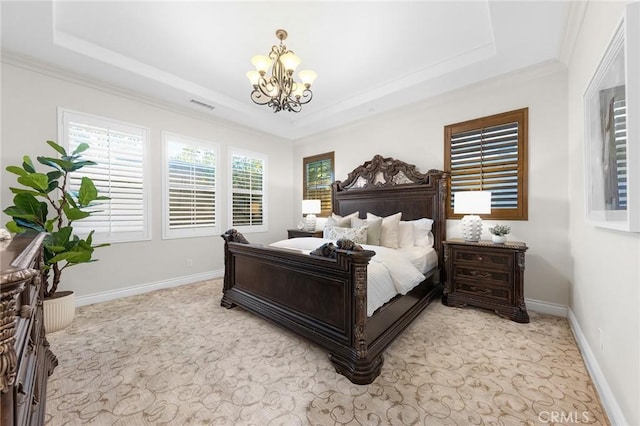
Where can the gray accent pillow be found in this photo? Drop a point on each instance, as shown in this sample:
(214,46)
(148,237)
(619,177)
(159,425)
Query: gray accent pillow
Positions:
(374,229)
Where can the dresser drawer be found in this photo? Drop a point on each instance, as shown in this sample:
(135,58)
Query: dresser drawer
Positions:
(498,278)
(489,259)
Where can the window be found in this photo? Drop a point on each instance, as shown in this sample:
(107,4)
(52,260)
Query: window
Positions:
(317,177)
(120,173)
(490,154)
(248,194)
(190,176)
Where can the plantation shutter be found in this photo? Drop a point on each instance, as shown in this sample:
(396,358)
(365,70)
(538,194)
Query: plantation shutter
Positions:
(620,128)
(247,189)
(119,152)
(318,176)
(489,154)
(191,188)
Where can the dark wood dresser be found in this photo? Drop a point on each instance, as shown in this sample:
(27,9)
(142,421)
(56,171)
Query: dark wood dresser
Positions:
(26,362)
(486,275)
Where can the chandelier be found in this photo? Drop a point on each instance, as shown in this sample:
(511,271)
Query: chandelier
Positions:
(280,91)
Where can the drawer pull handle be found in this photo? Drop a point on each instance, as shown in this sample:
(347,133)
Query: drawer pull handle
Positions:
(480,290)
(480,258)
(480,274)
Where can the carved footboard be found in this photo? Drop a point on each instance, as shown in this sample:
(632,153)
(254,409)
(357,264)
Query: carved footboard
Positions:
(318,298)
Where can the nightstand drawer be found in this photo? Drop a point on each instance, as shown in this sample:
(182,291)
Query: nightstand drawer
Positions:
(488,276)
(502,261)
(503,294)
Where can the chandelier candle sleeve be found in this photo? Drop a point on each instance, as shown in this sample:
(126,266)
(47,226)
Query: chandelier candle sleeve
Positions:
(310,208)
(280,91)
(471,204)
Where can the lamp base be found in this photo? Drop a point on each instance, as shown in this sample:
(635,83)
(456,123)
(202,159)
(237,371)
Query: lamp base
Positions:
(471,228)
(310,222)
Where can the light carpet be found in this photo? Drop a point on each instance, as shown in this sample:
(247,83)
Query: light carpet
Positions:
(176,357)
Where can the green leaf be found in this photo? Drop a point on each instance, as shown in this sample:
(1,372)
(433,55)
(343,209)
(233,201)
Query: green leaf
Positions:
(12,226)
(49,224)
(28,208)
(25,191)
(17,170)
(75,213)
(27,164)
(26,225)
(56,163)
(80,164)
(60,237)
(54,176)
(102,197)
(37,181)
(70,200)
(81,148)
(87,193)
(57,147)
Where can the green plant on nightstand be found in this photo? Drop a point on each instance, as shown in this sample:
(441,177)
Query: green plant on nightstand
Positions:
(498,233)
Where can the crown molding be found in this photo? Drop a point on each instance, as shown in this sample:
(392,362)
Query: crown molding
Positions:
(577,11)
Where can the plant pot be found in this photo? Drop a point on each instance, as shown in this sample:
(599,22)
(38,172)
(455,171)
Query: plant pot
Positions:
(59,310)
(499,239)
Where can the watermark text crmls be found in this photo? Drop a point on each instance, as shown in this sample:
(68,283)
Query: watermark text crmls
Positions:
(566,417)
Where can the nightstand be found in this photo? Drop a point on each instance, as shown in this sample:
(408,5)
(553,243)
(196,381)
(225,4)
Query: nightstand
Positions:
(297,233)
(486,275)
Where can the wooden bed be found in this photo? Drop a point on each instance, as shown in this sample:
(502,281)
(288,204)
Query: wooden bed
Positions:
(325,300)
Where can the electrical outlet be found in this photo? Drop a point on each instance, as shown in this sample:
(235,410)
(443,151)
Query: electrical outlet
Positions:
(189,262)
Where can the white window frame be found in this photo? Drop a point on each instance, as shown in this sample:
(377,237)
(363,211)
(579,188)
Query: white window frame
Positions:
(265,199)
(167,232)
(67,115)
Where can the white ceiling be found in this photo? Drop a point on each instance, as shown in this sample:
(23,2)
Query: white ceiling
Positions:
(370,57)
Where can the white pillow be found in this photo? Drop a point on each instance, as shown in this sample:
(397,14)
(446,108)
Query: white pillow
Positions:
(374,231)
(422,235)
(405,234)
(390,224)
(342,221)
(321,222)
(357,235)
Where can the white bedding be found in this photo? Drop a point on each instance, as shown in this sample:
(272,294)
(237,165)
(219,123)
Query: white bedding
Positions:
(390,271)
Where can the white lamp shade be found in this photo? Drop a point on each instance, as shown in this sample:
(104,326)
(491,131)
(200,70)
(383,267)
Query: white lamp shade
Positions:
(261,62)
(311,207)
(290,61)
(472,202)
(254,77)
(307,77)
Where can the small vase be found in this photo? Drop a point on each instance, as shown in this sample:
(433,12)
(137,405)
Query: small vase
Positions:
(499,239)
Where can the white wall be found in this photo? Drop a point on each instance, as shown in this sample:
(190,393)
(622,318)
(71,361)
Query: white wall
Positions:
(29,117)
(606,275)
(416,135)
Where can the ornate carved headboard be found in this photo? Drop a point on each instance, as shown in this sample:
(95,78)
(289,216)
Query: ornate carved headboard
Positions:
(384,186)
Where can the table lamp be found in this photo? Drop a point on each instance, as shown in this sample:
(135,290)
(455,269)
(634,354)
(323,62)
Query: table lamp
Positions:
(310,208)
(471,204)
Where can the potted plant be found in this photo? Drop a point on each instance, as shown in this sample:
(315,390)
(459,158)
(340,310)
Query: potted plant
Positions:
(30,212)
(498,233)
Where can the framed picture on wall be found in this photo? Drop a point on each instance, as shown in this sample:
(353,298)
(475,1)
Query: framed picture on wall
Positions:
(612,131)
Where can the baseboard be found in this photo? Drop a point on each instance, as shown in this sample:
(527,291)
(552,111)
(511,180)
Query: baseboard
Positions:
(609,403)
(105,296)
(549,308)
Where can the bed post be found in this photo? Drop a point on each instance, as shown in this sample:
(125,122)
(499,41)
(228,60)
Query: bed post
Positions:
(359,364)
(228,270)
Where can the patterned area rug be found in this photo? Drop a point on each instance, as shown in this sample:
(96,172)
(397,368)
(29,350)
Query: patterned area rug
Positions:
(176,357)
